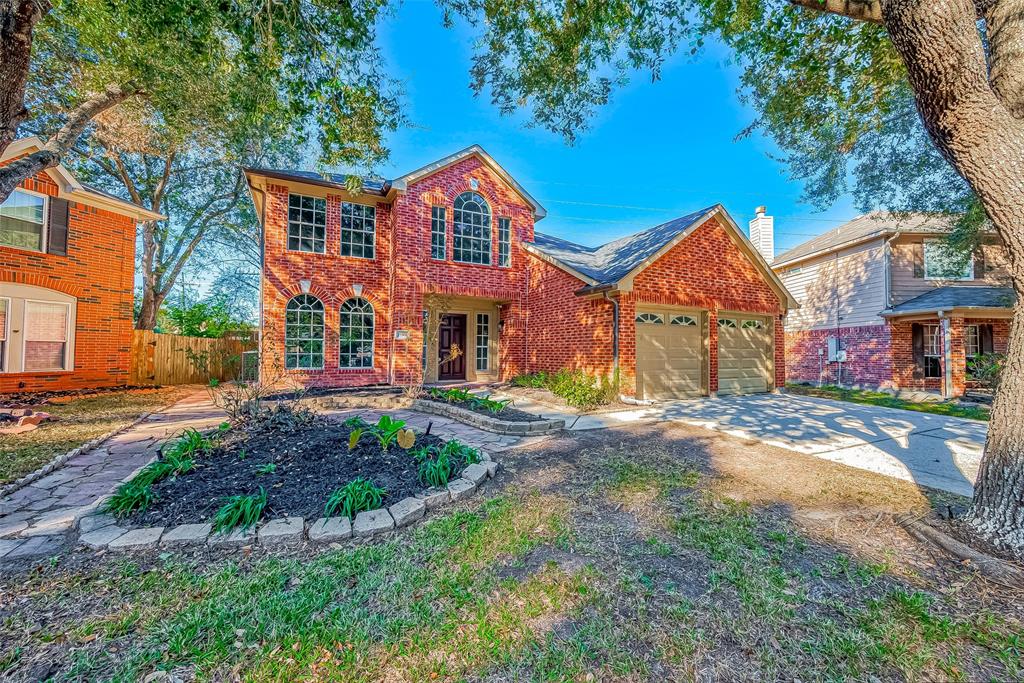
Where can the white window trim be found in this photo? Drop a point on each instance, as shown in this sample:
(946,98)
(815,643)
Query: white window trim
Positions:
(977,340)
(46,222)
(5,362)
(287,221)
(659,318)
(323,340)
(68,356)
(968,267)
(341,230)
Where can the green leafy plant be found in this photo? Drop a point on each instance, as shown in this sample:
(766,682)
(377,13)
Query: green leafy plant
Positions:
(422,453)
(353,438)
(460,453)
(129,497)
(269,468)
(240,512)
(535,380)
(354,497)
(474,401)
(191,443)
(386,430)
(435,471)
(575,386)
(406,438)
(356,422)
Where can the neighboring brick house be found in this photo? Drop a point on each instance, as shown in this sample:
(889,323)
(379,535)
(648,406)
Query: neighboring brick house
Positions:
(884,304)
(67,263)
(350,281)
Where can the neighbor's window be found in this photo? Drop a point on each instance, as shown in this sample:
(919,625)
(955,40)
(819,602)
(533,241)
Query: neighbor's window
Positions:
(684,320)
(940,263)
(438,226)
(46,335)
(357,229)
(472,229)
(726,323)
(504,242)
(5,307)
(650,319)
(304,333)
(483,334)
(307,223)
(972,341)
(932,350)
(356,334)
(22,220)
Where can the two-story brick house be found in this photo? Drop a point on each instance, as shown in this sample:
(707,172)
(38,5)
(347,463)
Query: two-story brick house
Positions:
(67,263)
(883,303)
(349,280)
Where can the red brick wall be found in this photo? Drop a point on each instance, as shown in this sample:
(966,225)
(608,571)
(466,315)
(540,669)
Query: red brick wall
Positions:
(98,271)
(868,353)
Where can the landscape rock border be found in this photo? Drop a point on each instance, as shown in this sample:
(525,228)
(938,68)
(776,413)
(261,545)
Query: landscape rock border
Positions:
(101,531)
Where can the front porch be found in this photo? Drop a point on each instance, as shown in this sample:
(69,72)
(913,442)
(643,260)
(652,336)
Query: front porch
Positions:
(462,340)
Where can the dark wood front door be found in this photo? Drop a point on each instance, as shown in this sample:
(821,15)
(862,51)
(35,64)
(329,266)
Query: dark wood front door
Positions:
(452,334)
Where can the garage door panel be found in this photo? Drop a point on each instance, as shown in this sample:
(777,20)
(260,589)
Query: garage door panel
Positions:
(743,355)
(669,359)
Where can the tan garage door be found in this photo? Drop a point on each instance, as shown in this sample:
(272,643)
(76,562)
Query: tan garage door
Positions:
(744,354)
(669,352)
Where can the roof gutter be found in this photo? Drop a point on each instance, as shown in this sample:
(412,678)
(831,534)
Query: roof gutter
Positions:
(590,290)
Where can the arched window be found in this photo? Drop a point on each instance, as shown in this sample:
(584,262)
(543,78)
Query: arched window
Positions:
(356,334)
(471,229)
(304,333)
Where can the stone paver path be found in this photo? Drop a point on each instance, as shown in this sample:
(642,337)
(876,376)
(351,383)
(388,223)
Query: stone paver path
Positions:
(36,519)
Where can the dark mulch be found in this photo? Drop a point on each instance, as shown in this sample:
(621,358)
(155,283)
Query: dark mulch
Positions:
(27,399)
(507,414)
(312,461)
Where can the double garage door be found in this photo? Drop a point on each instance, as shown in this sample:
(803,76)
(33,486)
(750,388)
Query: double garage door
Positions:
(671,354)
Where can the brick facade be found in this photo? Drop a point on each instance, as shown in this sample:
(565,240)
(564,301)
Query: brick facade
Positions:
(98,271)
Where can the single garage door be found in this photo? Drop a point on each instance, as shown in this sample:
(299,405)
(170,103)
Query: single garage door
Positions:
(744,354)
(669,353)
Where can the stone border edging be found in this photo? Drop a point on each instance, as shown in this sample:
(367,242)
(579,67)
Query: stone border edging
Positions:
(62,459)
(100,531)
(459,414)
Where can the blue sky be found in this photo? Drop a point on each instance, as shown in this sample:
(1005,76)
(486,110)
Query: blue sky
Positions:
(656,151)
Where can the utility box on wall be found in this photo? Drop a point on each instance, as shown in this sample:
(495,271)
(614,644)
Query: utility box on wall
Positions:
(836,352)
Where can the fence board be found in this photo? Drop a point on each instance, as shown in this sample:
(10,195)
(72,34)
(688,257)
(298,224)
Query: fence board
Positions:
(173,359)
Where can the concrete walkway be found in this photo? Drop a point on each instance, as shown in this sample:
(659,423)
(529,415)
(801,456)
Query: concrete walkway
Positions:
(932,450)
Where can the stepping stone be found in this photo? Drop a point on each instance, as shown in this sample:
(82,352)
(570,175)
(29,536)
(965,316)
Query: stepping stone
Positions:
(407,511)
(8,546)
(187,534)
(10,528)
(373,522)
(141,539)
(475,473)
(235,537)
(435,498)
(101,538)
(282,531)
(94,522)
(329,529)
(492,468)
(36,546)
(461,488)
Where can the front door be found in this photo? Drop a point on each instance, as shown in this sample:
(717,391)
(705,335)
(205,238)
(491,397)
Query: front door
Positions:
(452,337)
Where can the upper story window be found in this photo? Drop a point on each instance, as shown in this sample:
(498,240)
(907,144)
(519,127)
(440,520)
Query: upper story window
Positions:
(941,263)
(22,220)
(504,242)
(438,233)
(472,229)
(304,333)
(307,223)
(357,229)
(356,334)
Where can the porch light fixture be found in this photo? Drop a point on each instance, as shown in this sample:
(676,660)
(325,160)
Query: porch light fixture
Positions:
(304,286)
(357,290)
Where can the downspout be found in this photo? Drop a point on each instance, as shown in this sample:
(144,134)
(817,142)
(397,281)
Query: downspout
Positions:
(615,334)
(263,269)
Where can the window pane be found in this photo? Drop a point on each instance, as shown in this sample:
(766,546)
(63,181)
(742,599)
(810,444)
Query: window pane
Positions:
(356,334)
(3,319)
(304,333)
(483,332)
(358,222)
(21,221)
(942,263)
(471,229)
(307,224)
(46,329)
(504,242)
(437,233)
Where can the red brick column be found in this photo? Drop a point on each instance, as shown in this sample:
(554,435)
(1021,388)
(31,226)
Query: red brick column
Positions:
(713,351)
(957,356)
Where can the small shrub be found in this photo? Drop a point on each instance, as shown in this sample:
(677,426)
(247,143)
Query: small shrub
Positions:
(129,497)
(240,512)
(536,380)
(461,454)
(356,496)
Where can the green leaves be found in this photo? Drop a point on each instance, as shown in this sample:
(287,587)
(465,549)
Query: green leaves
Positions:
(354,497)
(240,512)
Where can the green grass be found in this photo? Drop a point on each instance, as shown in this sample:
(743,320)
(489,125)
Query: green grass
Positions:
(77,422)
(880,398)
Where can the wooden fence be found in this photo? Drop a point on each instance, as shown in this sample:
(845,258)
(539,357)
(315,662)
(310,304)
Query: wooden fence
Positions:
(173,359)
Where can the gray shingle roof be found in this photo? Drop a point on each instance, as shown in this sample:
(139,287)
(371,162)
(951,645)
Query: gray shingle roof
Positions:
(610,262)
(956,296)
(874,224)
(369,184)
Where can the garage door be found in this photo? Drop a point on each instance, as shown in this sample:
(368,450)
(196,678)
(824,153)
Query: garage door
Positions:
(669,349)
(744,353)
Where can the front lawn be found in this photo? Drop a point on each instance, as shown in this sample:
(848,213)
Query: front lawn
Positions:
(654,553)
(78,421)
(880,398)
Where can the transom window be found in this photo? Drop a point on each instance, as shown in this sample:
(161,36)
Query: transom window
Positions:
(471,229)
(307,223)
(504,242)
(752,324)
(942,263)
(438,228)
(304,333)
(358,222)
(483,335)
(726,323)
(356,333)
(932,350)
(650,319)
(22,220)
(684,320)
(46,335)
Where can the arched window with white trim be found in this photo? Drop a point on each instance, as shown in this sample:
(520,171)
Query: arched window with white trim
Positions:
(304,333)
(471,229)
(356,334)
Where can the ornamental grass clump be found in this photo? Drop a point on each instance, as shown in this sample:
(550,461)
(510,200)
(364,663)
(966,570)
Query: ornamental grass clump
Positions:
(240,512)
(356,496)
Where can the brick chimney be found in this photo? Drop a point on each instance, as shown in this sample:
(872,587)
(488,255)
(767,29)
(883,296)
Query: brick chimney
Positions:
(762,233)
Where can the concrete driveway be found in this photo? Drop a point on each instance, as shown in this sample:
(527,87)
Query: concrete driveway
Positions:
(931,450)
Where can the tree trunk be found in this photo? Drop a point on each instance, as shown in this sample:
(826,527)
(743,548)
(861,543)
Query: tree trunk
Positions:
(18,19)
(979,134)
(148,310)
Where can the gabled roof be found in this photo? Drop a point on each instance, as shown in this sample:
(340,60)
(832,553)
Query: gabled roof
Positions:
(864,228)
(71,188)
(955,297)
(614,262)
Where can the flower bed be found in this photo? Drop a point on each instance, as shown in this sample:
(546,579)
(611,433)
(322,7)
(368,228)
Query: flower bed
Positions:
(482,405)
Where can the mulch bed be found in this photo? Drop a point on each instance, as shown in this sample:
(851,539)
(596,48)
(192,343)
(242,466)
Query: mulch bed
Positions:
(312,460)
(507,414)
(27,399)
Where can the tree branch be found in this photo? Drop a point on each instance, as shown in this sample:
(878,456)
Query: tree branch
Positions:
(1004,24)
(863,10)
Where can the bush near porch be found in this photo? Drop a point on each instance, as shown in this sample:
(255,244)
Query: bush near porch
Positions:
(577,388)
